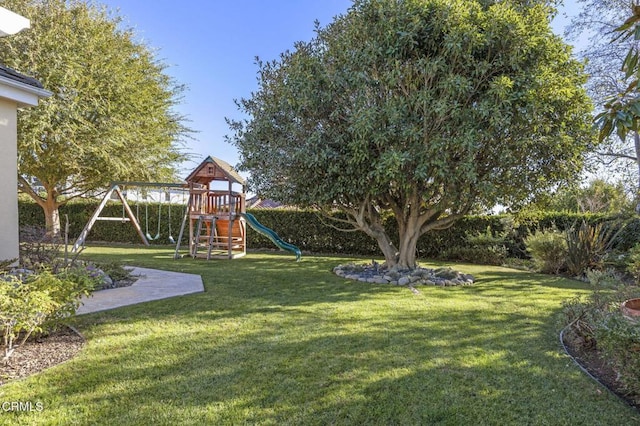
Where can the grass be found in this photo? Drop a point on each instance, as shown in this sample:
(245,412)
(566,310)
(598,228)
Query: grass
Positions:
(272,341)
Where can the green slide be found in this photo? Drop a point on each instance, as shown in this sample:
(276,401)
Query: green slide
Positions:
(269,233)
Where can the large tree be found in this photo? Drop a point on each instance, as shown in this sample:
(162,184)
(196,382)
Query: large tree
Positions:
(424,108)
(111,116)
(610,86)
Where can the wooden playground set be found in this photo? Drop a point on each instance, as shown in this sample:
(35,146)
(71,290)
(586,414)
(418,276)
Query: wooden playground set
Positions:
(216,218)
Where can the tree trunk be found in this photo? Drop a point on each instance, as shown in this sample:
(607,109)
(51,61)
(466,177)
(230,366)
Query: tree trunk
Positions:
(636,140)
(368,220)
(51,216)
(49,204)
(388,249)
(410,221)
(408,244)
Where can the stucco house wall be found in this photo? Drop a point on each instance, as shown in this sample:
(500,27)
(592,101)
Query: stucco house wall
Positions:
(8,180)
(16,91)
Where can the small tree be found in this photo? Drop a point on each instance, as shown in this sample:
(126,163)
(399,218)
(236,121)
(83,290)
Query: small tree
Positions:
(421,108)
(111,114)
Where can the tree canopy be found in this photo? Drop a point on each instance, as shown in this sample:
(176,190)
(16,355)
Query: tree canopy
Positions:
(599,196)
(111,116)
(614,65)
(424,108)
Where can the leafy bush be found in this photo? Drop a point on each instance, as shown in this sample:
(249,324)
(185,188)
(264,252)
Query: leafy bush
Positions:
(587,246)
(38,303)
(65,289)
(84,279)
(487,248)
(619,340)
(633,266)
(548,249)
(604,279)
(628,234)
(115,270)
(24,308)
(596,322)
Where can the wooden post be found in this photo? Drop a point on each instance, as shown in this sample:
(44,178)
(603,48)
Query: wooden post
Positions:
(187,213)
(133,218)
(96,216)
(83,235)
(231,220)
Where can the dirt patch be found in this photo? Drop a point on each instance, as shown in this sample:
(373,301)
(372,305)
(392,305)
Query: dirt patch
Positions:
(592,360)
(40,353)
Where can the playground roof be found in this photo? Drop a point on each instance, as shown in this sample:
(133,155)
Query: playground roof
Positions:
(215,169)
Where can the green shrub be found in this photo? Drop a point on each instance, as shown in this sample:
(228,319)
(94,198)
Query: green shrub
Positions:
(115,270)
(633,265)
(608,278)
(24,308)
(65,289)
(39,303)
(587,246)
(618,339)
(82,276)
(595,322)
(486,248)
(628,234)
(548,249)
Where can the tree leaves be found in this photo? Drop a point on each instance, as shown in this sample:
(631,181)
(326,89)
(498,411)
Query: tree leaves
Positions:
(111,115)
(420,107)
(622,111)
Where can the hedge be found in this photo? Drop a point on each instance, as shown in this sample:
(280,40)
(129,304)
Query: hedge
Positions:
(79,213)
(311,232)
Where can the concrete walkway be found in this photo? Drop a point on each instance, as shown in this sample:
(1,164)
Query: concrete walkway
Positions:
(153,284)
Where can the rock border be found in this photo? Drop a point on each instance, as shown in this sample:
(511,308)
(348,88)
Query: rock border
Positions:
(374,273)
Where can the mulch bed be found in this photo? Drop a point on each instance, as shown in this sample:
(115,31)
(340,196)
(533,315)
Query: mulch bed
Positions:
(590,359)
(40,353)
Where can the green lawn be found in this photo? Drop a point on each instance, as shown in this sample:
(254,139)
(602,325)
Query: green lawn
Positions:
(272,341)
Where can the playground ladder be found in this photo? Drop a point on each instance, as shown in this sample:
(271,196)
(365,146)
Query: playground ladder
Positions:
(210,237)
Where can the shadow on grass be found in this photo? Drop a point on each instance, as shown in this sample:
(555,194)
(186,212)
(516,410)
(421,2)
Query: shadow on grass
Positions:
(274,341)
(282,365)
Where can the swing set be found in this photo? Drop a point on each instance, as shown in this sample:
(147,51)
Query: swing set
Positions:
(117,188)
(214,218)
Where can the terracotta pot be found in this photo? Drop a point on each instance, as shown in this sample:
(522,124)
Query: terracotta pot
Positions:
(631,308)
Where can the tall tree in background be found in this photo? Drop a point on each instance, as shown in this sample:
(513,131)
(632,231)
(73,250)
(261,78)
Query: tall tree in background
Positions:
(598,196)
(423,108)
(111,115)
(611,85)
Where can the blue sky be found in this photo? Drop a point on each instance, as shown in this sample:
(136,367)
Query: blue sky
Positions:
(210,46)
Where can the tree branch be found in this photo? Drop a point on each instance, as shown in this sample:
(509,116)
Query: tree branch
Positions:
(25,187)
(618,155)
(322,214)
